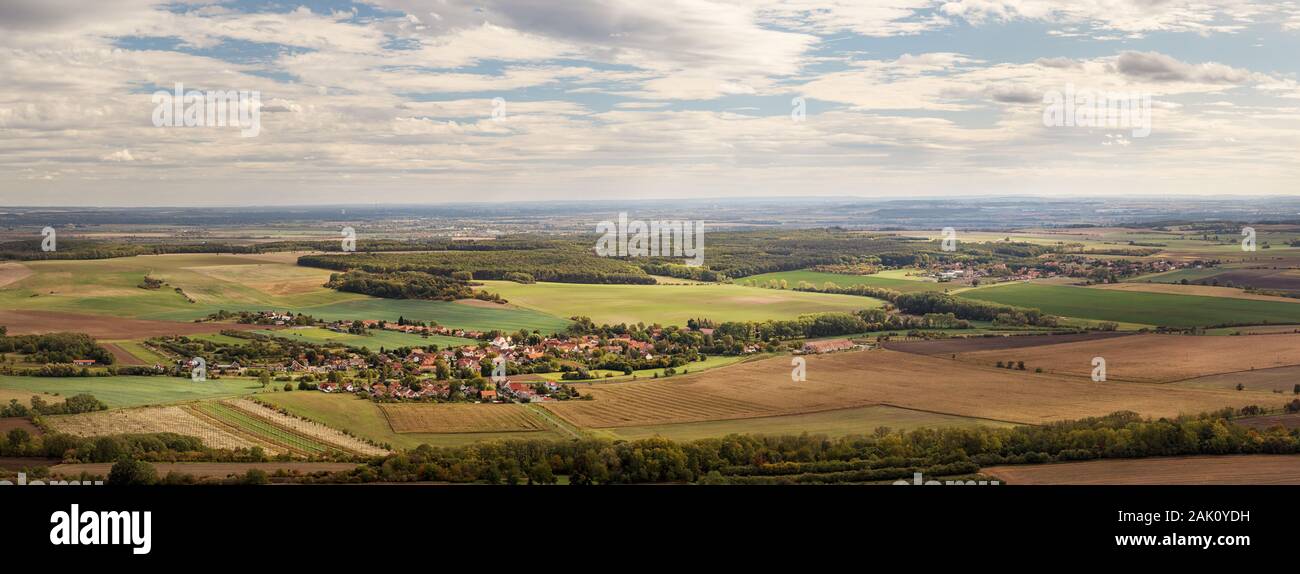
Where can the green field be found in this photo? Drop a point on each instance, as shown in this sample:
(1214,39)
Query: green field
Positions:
(121,392)
(374,341)
(364,419)
(835,423)
(1136,307)
(710,362)
(233,283)
(892,279)
(672,304)
(139,351)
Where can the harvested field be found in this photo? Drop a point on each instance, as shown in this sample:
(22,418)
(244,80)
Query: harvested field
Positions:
(1154,358)
(150,420)
(1282,379)
(209,469)
(972,344)
(840,422)
(104,326)
(856,379)
(460,418)
(1237,469)
(310,429)
(13,273)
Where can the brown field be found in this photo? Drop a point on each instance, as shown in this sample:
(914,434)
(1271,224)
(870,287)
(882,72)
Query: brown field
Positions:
(460,418)
(1203,290)
(973,344)
(883,377)
(1235,469)
(152,420)
(208,469)
(13,272)
(104,326)
(1282,279)
(9,423)
(1289,421)
(121,355)
(1281,379)
(1154,358)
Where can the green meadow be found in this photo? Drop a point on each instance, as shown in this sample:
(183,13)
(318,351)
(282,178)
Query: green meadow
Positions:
(672,304)
(121,392)
(886,279)
(1136,307)
(233,283)
(374,340)
(710,362)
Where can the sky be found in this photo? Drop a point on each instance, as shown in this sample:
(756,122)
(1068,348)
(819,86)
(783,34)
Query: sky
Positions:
(433,101)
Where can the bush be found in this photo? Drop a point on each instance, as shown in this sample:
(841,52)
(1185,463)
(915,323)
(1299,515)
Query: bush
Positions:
(131,472)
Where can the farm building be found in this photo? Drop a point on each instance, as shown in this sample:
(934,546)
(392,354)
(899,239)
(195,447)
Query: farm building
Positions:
(828,346)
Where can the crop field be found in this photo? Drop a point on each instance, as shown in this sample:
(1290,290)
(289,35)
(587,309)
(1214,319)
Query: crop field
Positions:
(208,469)
(1199,290)
(365,419)
(890,281)
(1143,308)
(1253,469)
(672,304)
(101,297)
(311,430)
(710,362)
(375,340)
(857,379)
(460,418)
(174,419)
(259,429)
(1280,379)
(973,344)
(121,392)
(839,422)
(1153,358)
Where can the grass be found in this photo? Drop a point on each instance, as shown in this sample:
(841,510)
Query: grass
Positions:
(886,279)
(374,341)
(834,423)
(232,283)
(121,392)
(364,419)
(1136,307)
(709,362)
(672,304)
(139,351)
